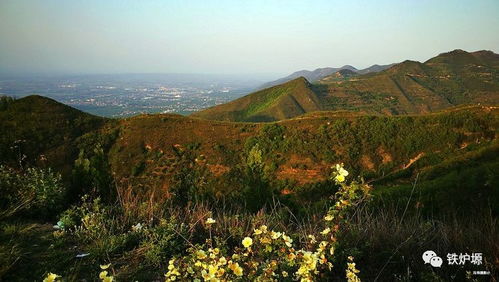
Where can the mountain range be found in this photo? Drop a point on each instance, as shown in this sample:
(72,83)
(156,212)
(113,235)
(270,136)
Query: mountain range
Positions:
(447,80)
(323,72)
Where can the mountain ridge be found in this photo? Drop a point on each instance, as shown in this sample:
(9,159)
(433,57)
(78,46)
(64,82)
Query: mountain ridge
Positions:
(410,87)
(320,73)
(279,102)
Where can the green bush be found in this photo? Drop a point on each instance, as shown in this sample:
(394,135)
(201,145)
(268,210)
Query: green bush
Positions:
(34,191)
(91,173)
(163,241)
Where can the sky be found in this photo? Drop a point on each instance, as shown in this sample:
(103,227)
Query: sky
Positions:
(235,36)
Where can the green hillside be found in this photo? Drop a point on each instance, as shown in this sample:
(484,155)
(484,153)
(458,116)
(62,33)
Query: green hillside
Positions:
(298,150)
(301,150)
(450,79)
(447,80)
(284,101)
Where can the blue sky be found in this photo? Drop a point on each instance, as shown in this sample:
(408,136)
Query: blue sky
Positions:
(235,36)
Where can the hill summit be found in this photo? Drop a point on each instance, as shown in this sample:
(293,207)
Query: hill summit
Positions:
(284,101)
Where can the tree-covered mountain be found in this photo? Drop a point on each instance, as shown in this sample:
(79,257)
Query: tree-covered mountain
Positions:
(298,150)
(447,80)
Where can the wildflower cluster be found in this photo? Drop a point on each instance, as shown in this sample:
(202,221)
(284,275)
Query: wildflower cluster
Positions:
(271,255)
(347,197)
(351,272)
(103,275)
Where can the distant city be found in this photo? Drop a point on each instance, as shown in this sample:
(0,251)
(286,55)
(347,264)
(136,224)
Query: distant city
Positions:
(132,94)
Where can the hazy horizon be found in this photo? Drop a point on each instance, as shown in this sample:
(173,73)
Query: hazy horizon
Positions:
(263,39)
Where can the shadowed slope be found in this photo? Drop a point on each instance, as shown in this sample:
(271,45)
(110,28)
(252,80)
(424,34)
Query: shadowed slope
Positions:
(43,130)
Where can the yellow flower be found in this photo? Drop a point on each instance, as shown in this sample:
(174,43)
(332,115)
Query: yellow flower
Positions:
(210,221)
(275,235)
(201,254)
(340,178)
(51,277)
(312,239)
(103,274)
(108,279)
(352,267)
(210,275)
(284,274)
(343,172)
(326,231)
(287,240)
(236,269)
(328,217)
(247,242)
(262,229)
(351,271)
(322,245)
(212,269)
(222,261)
(105,266)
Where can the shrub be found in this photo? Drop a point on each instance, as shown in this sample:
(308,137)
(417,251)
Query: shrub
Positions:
(272,255)
(5,101)
(38,192)
(91,173)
